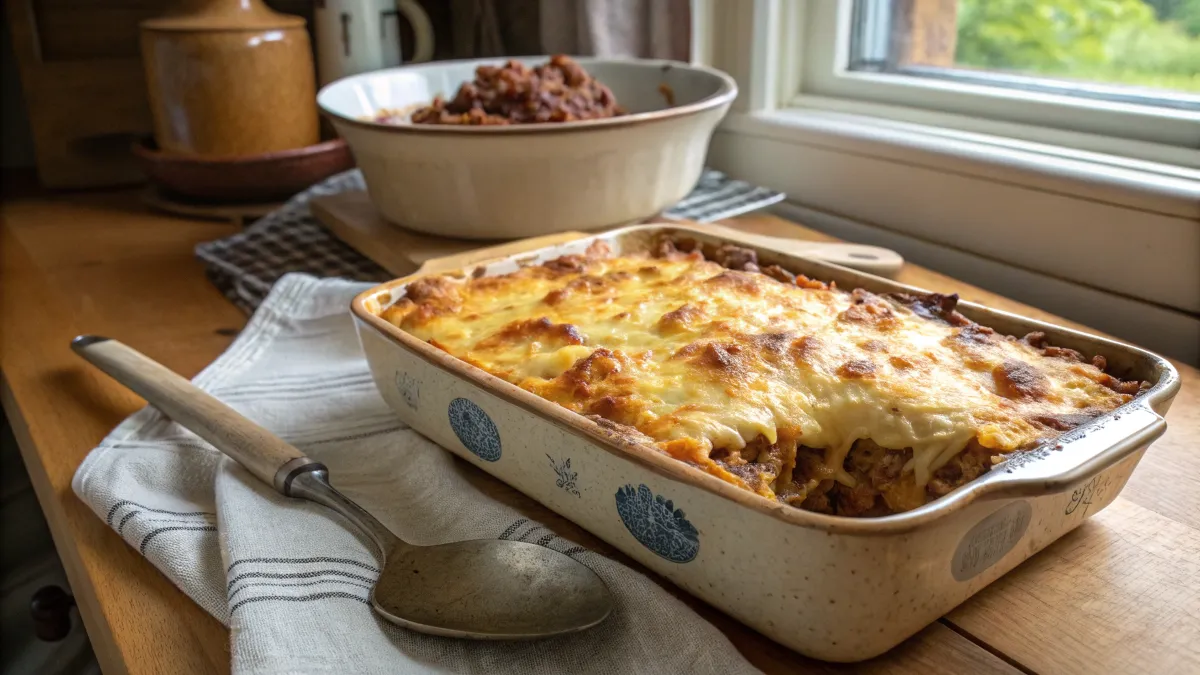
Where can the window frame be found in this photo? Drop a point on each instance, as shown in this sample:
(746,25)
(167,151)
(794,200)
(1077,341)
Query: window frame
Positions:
(779,72)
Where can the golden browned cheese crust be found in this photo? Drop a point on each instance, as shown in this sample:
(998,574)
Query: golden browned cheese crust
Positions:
(836,401)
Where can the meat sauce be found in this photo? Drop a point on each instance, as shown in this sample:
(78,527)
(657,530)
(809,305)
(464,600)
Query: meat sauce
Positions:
(557,91)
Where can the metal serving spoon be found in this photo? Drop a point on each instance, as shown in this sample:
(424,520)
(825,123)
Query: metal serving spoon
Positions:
(481,589)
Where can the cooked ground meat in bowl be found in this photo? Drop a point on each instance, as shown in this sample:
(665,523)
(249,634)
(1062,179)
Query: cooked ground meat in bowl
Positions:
(559,90)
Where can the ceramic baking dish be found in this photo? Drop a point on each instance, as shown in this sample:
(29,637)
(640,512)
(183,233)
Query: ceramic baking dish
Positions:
(834,588)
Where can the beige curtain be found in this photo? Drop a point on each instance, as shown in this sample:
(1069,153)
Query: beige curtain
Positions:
(638,28)
(645,28)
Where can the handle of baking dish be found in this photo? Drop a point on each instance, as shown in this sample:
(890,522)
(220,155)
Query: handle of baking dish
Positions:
(264,454)
(1076,456)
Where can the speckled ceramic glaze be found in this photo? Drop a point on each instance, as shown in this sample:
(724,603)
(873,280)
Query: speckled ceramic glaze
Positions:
(834,588)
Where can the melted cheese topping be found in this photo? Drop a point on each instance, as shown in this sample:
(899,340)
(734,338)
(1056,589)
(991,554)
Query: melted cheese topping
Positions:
(701,358)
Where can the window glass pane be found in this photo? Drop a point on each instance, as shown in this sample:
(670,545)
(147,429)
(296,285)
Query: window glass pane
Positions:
(1147,50)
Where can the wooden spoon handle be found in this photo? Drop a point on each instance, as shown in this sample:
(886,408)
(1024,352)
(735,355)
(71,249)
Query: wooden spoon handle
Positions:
(264,454)
(873,259)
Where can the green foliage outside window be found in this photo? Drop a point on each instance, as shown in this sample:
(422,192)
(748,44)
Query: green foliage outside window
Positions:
(1151,43)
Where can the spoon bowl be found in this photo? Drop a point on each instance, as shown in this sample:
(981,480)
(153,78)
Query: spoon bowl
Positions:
(489,589)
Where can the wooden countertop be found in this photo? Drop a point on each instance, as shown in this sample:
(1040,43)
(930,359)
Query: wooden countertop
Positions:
(1119,594)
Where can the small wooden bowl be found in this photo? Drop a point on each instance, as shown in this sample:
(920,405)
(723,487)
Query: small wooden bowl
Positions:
(254,178)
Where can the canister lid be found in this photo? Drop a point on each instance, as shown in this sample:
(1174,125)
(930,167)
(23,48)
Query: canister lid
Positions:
(222,15)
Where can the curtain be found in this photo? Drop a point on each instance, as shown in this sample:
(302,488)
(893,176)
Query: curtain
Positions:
(644,28)
(635,28)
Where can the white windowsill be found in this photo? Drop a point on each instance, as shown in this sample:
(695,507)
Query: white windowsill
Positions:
(1167,331)
(1146,186)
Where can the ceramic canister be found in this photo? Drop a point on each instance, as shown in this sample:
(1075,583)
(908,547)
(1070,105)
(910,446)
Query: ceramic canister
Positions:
(230,78)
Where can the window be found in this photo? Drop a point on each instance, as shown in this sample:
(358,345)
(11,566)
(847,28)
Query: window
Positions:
(1137,51)
(1125,72)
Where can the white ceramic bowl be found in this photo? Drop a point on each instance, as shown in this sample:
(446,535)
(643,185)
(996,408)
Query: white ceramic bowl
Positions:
(504,182)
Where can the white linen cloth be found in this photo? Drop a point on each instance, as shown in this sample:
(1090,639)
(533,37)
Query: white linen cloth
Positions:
(290,578)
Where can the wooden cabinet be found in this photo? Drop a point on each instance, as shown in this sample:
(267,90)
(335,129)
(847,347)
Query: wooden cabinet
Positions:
(84,87)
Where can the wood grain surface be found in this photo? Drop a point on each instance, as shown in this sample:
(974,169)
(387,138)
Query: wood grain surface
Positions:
(354,219)
(1120,594)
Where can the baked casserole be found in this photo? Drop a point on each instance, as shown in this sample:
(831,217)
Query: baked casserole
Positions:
(836,401)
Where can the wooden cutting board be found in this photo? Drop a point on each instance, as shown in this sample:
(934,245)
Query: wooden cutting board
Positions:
(354,219)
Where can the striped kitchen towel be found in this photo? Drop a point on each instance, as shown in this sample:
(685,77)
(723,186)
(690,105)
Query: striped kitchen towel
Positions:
(289,578)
